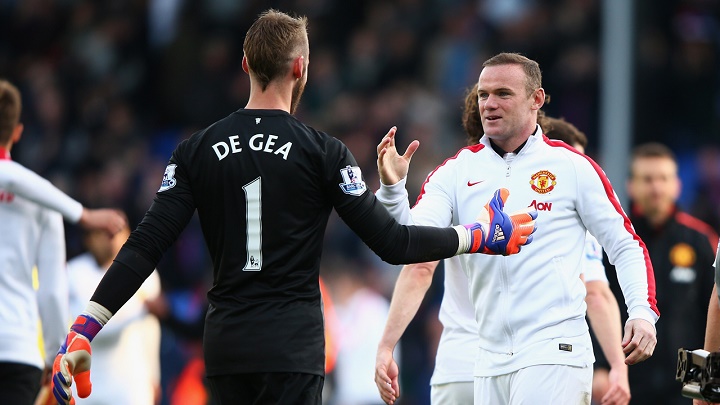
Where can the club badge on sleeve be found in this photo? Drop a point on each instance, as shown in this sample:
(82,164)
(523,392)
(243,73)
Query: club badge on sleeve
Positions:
(168,180)
(353,183)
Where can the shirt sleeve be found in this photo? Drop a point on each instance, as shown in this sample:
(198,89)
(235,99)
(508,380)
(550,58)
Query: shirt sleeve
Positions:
(52,292)
(592,263)
(602,214)
(29,185)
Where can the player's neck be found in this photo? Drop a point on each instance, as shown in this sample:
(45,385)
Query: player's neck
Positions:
(5,152)
(274,97)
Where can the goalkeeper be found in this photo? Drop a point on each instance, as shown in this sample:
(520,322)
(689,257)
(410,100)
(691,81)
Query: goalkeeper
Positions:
(263,210)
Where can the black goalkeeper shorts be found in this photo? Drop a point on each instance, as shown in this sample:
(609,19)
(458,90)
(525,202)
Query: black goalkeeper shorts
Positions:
(266,389)
(19,383)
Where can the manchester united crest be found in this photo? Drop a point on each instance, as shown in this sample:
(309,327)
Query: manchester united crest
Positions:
(543,182)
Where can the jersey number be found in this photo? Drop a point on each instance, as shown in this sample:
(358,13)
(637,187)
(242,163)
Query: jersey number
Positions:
(253,219)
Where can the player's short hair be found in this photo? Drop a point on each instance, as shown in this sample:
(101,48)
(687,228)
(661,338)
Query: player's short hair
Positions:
(272,42)
(10,108)
(533,75)
(650,150)
(471,122)
(558,128)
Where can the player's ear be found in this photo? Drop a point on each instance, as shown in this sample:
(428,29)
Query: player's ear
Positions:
(538,98)
(298,66)
(245,66)
(17,133)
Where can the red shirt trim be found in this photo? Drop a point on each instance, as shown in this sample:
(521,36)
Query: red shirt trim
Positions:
(474,148)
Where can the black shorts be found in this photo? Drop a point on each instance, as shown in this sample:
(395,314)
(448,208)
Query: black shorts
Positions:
(266,389)
(19,383)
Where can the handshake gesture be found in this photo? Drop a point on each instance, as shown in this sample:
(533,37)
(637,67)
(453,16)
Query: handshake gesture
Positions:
(494,233)
(498,233)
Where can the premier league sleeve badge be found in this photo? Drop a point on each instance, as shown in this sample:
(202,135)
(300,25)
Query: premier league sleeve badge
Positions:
(353,183)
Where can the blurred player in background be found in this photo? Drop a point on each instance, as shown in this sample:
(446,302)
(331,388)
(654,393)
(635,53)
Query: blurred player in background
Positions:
(533,337)
(128,350)
(30,236)
(682,250)
(264,185)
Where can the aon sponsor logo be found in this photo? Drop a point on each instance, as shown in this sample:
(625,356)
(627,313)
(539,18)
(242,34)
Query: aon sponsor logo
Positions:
(541,206)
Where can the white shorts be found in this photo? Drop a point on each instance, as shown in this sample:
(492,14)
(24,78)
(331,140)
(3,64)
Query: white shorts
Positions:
(543,384)
(456,393)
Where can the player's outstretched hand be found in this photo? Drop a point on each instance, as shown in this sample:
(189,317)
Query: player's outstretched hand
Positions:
(639,341)
(106,219)
(392,166)
(498,233)
(72,362)
(386,376)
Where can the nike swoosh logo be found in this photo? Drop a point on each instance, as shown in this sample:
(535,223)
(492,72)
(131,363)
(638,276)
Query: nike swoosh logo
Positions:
(470,184)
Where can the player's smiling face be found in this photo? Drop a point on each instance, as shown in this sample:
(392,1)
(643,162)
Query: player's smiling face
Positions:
(506,108)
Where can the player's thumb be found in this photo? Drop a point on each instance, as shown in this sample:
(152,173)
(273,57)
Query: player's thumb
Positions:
(411,149)
(497,202)
(83,384)
(503,194)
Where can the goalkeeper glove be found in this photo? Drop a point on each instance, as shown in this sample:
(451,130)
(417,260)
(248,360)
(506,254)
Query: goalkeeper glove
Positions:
(498,233)
(73,361)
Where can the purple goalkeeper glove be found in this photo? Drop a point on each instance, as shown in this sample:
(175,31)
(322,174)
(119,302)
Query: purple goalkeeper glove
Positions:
(73,361)
(498,233)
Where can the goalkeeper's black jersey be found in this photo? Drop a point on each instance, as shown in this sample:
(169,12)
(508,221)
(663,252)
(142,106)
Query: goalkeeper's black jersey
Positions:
(264,185)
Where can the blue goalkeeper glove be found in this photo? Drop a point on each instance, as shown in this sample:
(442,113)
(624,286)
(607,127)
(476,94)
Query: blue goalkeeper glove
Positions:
(73,361)
(498,233)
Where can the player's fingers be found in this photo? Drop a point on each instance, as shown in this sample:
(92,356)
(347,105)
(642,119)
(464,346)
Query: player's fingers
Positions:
(523,217)
(383,144)
(386,392)
(609,396)
(396,387)
(614,396)
(390,136)
(639,354)
(61,388)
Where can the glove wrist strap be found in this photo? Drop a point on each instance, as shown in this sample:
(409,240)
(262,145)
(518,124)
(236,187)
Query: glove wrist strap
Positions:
(87,326)
(463,239)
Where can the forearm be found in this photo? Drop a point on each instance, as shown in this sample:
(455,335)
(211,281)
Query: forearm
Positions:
(604,314)
(52,295)
(29,185)
(712,331)
(410,288)
(399,244)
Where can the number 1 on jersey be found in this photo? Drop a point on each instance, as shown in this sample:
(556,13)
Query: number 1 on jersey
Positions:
(253,219)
